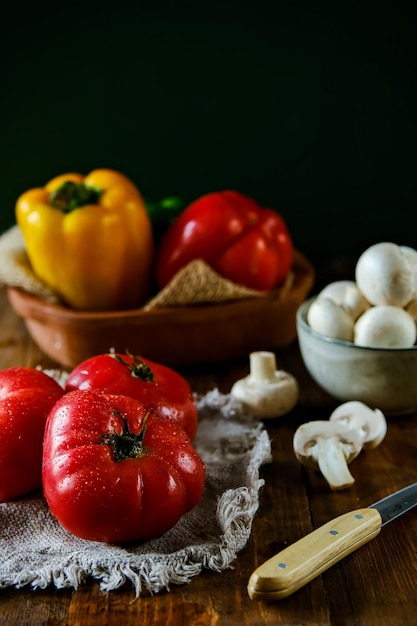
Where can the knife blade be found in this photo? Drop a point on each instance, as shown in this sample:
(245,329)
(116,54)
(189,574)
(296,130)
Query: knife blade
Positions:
(307,558)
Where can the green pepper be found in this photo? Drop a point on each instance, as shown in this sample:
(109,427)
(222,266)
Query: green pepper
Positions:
(163,213)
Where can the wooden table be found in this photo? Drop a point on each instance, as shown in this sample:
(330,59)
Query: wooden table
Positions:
(377,585)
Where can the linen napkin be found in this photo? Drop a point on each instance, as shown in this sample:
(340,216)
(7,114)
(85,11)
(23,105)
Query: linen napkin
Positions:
(36,551)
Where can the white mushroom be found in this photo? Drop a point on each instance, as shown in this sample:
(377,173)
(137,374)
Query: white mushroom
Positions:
(385,326)
(329,447)
(266,392)
(330,319)
(411,309)
(385,275)
(370,423)
(336,290)
(346,294)
(355,302)
(411,256)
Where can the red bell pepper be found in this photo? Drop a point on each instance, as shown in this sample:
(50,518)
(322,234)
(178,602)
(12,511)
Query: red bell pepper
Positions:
(239,239)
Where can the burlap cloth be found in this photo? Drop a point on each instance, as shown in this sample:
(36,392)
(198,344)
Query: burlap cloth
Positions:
(35,550)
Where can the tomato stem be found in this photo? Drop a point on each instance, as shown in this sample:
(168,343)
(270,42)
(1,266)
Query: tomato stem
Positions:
(138,369)
(126,445)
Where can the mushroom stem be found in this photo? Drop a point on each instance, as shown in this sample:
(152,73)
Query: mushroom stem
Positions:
(328,447)
(332,463)
(263,366)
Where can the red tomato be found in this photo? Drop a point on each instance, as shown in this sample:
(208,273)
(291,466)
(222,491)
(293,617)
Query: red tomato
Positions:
(26,397)
(158,387)
(242,241)
(114,472)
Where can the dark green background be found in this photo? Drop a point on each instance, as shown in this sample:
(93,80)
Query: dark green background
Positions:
(310,107)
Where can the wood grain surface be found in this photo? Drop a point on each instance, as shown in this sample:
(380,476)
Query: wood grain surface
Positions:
(376,585)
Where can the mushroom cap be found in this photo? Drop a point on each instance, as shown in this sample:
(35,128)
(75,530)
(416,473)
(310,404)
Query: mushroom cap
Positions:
(370,423)
(307,435)
(336,290)
(411,256)
(266,392)
(267,399)
(411,309)
(355,302)
(384,274)
(331,319)
(385,326)
(346,294)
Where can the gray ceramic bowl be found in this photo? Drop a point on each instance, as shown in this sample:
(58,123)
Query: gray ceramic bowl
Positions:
(383,378)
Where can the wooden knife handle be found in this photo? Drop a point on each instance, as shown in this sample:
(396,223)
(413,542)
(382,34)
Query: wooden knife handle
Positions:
(308,557)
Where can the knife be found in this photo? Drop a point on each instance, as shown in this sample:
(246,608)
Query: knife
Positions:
(307,558)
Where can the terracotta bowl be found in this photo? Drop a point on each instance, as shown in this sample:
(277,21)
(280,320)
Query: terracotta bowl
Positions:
(174,336)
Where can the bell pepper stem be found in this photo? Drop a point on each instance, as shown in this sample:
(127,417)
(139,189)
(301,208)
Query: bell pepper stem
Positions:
(70,196)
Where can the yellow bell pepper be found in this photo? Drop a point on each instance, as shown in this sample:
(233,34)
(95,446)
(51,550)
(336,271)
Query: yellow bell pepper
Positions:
(90,239)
